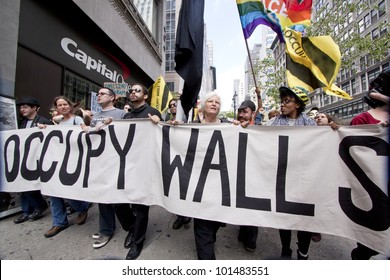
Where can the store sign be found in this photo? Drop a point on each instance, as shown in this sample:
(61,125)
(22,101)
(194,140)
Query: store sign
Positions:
(92,64)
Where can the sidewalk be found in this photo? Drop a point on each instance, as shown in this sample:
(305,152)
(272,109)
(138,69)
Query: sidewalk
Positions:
(26,241)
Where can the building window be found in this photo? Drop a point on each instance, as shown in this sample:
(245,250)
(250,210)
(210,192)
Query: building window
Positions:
(171,86)
(375,34)
(78,89)
(382,8)
(364,82)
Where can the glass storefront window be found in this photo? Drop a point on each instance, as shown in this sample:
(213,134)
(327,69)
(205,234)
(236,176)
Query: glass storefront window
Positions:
(78,89)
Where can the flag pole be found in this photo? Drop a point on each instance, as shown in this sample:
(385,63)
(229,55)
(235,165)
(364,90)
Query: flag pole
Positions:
(250,61)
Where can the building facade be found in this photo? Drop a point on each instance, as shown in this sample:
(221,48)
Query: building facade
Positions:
(72,47)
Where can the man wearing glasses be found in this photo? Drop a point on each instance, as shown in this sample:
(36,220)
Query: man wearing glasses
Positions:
(138,95)
(107,212)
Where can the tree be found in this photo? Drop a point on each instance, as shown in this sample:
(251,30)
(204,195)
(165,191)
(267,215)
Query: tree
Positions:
(265,71)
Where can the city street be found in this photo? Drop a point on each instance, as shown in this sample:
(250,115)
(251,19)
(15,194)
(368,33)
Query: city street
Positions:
(26,241)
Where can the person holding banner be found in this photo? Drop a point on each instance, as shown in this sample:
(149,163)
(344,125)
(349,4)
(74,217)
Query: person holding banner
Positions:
(32,202)
(246,116)
(205,231)
(293,102)
(107,212)
(57,204)
(137,95)
(378,100)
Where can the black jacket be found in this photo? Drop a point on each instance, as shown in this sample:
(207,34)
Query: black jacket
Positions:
(142,112)
(36,120)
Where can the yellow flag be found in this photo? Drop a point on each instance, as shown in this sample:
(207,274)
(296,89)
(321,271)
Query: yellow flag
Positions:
(160,95)
(313,62)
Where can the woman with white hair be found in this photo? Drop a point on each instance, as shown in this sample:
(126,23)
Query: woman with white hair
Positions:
(210,106)
(205,231)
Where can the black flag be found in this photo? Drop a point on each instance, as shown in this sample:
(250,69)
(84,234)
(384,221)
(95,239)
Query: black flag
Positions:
(189,51)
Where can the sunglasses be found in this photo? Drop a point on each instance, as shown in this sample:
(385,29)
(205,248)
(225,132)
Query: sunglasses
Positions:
(172,105)
(136,90)
(102,93)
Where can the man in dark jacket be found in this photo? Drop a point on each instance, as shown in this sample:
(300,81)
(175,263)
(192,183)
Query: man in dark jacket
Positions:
(32,203)
(138,95)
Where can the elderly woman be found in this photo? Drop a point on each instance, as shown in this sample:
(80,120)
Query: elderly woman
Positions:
(205,231)
(293,102)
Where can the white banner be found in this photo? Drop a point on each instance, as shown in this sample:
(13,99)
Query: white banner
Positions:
(308,178)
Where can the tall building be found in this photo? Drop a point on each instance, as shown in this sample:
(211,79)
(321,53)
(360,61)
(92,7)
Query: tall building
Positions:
(72,47)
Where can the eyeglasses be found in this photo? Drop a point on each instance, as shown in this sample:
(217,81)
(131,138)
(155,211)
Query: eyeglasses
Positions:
(136,90)
(286,101)
(102,93)
(172,105)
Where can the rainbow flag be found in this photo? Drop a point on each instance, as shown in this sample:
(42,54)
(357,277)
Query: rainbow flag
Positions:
(253,13)
(298,14)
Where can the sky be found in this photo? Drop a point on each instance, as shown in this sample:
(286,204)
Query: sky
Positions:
(224,29)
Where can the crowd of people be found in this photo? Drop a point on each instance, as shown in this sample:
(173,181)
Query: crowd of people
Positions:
(134,217)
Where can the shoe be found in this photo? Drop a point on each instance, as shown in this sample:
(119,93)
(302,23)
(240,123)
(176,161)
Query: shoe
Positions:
(129,239)
(36,215)
(301,256)
(96,235)
(247,246)
(316,237)
(180,221)
(53,231)
(135,251)
(101,241)
(22,219)
(286,254)
(81,218)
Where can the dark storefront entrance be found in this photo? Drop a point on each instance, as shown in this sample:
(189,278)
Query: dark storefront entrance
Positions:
(62,52)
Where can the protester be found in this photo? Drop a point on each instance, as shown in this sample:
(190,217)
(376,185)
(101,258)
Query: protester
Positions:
(313,112)
(377,99)
(293,102)
(172,109)
(272,114)
(32,202)
(57,204)
(107,212)
(171,118)
(259,114)
(246,116)
(205,230)
(138,95)
(326,119)
(127,108)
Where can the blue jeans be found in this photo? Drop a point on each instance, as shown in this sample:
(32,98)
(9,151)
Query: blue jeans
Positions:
(58,209)
(31,200)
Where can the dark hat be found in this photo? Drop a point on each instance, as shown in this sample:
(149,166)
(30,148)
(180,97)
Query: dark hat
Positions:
(382,83)
(28,101)
(247,104)
(299,92)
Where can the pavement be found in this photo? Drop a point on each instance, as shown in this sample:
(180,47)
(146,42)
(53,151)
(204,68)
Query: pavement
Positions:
(26,241)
